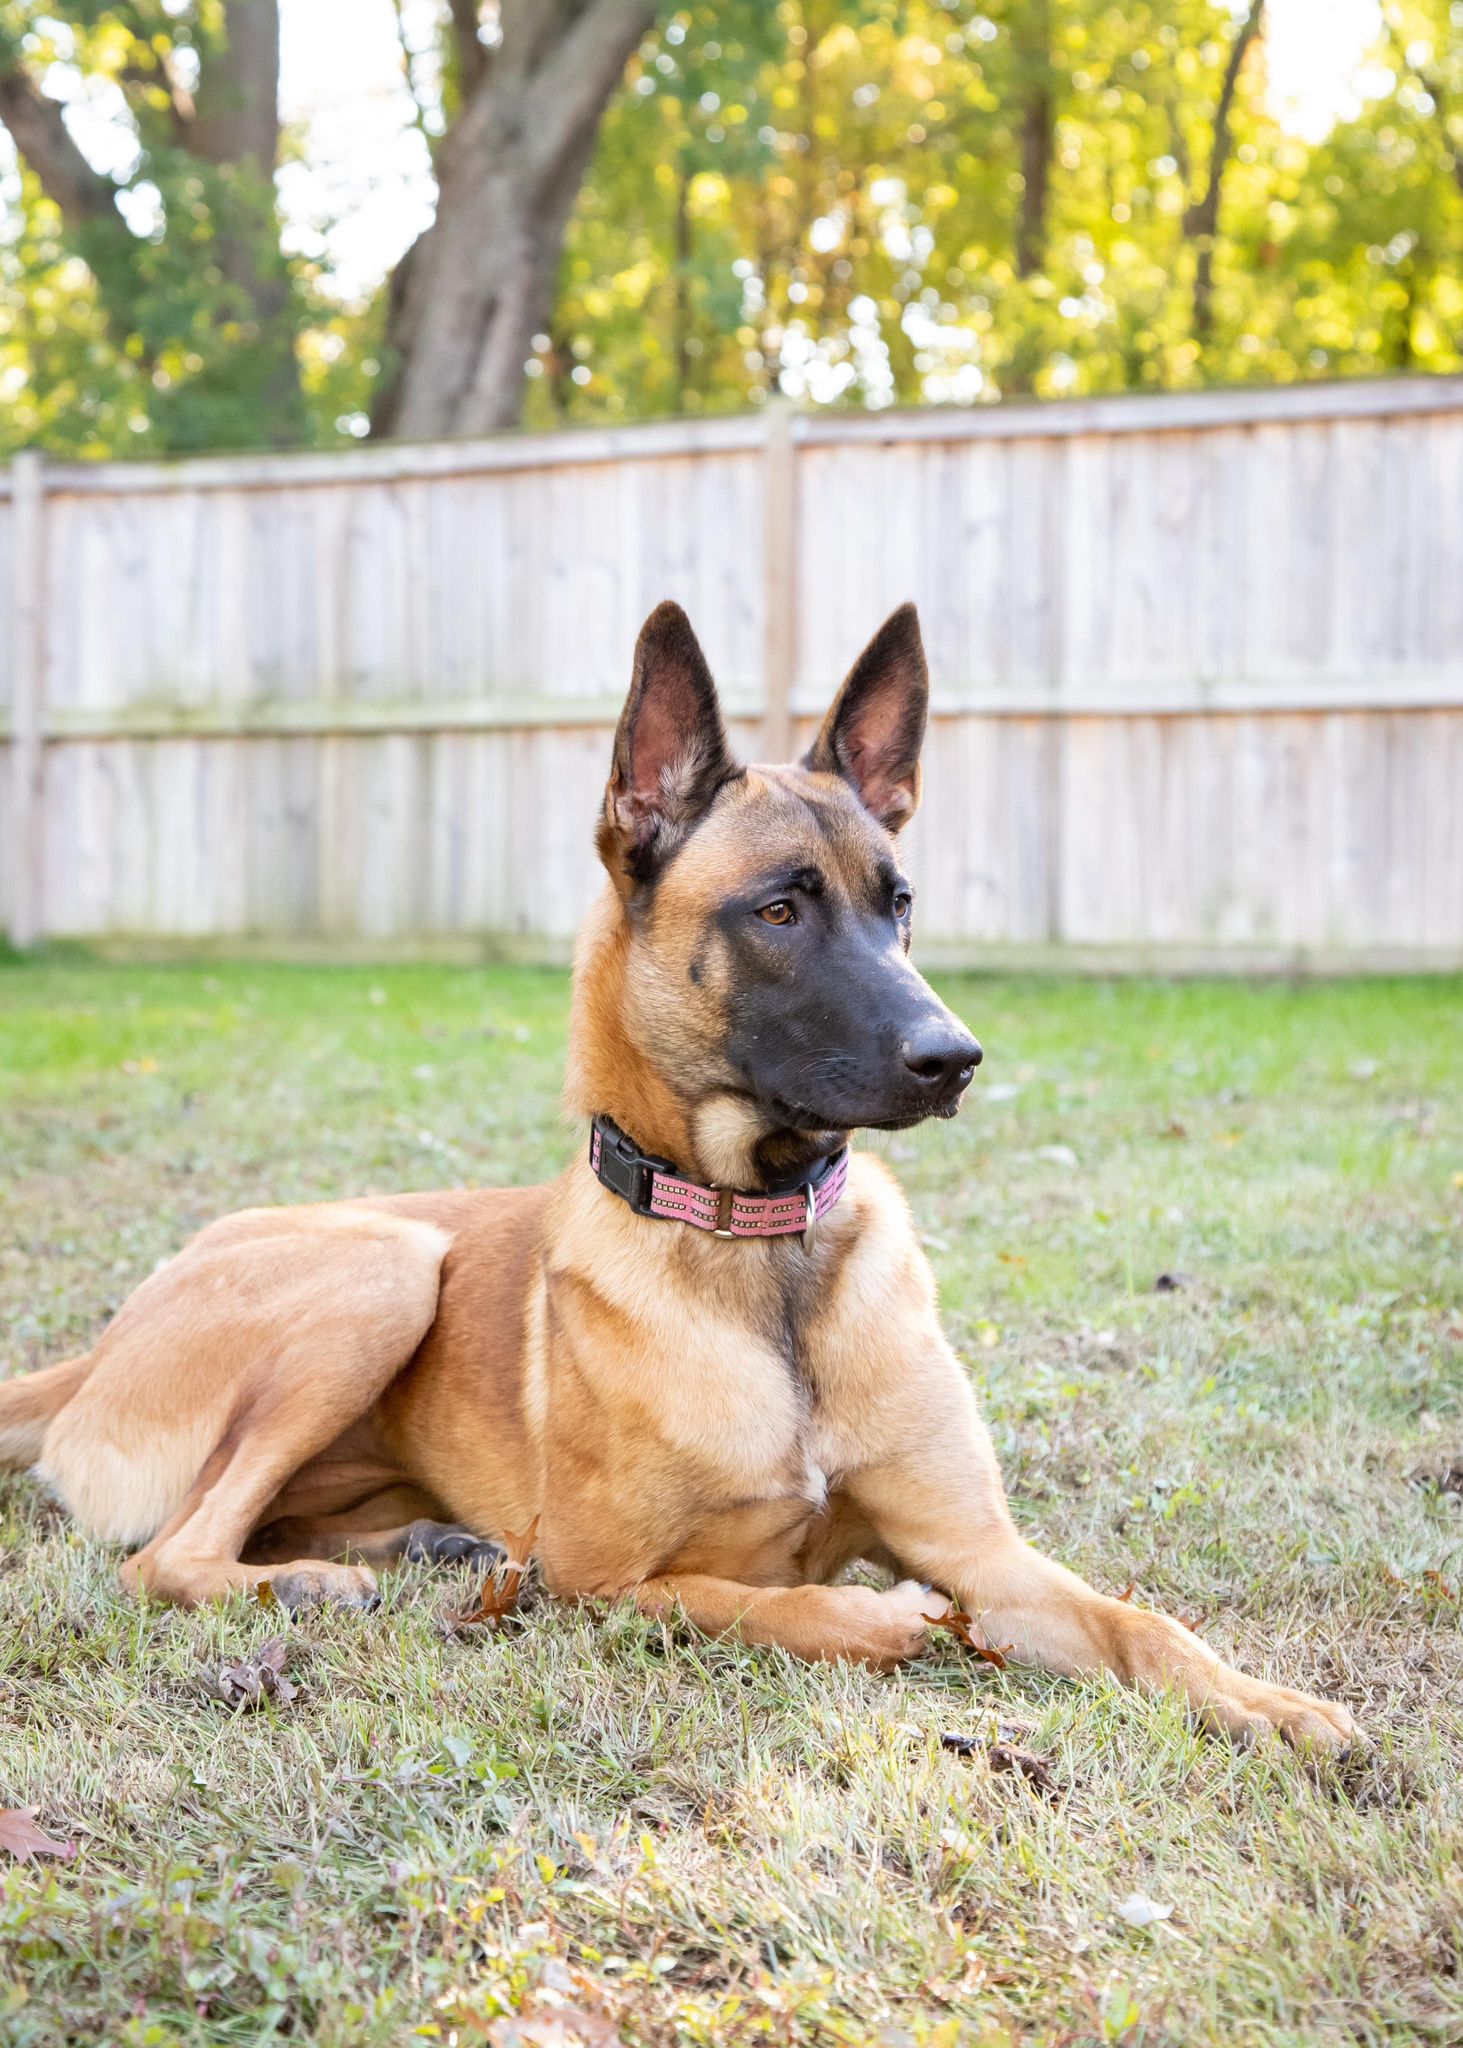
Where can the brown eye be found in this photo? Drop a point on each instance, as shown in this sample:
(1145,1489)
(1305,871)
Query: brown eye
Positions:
(903,903)
(778,913)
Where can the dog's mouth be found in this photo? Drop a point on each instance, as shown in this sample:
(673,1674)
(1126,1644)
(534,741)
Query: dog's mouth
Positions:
(800,1117)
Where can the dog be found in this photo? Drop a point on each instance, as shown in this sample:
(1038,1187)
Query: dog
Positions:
(706,1361)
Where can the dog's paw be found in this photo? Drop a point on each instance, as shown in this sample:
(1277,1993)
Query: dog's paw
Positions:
(448,1543)
(894,1626)
(299,1586)
(1249,1711)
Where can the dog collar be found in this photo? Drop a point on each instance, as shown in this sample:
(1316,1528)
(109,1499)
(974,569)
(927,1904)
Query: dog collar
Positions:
(652,1187)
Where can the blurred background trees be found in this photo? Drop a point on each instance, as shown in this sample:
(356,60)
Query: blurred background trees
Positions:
(647,209)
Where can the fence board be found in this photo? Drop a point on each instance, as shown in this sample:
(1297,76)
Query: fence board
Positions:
(1197,663)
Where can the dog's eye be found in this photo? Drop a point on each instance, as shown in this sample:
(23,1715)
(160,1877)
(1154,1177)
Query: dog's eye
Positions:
(903,903)
(778,913)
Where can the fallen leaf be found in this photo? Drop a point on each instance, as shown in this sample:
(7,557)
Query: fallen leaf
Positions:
(252,1680)
(500,1590)
(1006,1756)
(1141,1912)
(1174,1129)
(962,1626)
(264,1593)
(19,1837)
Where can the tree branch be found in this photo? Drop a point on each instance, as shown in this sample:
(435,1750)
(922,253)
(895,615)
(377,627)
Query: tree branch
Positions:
(472,58)
(1202,220)
(38,129)
(1203,215)
(1433,86)
(236,111)
(418,110)
(577,78)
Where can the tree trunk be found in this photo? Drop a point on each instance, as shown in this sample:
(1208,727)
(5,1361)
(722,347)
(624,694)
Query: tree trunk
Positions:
(235,127)
(1038,133)
(1201,223)
(681,275)
(478,284)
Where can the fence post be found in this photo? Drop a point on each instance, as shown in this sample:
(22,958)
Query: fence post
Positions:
(27,697)
(780,532)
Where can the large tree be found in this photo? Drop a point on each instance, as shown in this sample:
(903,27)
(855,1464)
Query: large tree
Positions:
(182,236)
(468,297)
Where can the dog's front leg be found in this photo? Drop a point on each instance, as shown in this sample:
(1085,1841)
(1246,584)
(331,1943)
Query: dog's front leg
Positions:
(939,1505)
(819,1623)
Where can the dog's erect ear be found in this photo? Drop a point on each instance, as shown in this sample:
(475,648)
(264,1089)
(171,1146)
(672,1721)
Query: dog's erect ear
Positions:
(671,751)
(873,733)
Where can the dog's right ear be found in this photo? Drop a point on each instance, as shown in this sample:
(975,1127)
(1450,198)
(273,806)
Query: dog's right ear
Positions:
(671,750)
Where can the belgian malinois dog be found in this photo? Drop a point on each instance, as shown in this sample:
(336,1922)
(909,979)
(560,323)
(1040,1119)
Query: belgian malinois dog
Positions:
(706,1361)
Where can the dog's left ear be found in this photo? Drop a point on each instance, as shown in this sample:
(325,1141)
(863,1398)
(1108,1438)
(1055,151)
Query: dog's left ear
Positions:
(671,750)
(874,731)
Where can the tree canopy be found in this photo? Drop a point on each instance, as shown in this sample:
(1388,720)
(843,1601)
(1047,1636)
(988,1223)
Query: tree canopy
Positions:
(682,209)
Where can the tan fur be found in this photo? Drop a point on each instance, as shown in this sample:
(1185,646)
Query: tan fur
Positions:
(713,1427)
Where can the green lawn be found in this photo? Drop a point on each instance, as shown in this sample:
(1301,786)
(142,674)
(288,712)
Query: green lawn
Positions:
(714,1844)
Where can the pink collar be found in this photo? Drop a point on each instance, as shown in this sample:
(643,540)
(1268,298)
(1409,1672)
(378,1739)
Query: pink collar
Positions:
(652,1187)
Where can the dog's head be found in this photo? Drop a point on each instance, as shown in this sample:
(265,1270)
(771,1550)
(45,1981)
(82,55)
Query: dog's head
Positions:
(764,915)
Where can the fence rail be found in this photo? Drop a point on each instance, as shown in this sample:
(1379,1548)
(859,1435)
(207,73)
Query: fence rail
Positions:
(1197,661)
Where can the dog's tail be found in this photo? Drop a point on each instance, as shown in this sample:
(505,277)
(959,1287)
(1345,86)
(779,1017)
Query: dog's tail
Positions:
(30,1404)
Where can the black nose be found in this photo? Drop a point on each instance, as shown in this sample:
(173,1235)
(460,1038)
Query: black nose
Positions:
(940,1057)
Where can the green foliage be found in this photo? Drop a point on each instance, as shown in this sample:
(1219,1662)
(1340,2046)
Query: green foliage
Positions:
(167,318)
(858,173)
(857,201)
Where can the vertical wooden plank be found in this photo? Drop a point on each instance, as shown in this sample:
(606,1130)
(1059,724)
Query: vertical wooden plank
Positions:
(27,698)
(780,540)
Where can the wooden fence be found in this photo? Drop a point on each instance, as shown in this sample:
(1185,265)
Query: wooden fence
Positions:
(1197,661)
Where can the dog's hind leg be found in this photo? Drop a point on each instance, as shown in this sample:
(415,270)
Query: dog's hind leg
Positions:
(225,1374)
(397,1526)
(30,1404)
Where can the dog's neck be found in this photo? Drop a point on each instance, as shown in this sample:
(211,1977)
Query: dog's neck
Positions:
(714,1140)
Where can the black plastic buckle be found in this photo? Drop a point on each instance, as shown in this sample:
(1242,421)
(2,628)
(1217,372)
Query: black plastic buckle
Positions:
(625,1169)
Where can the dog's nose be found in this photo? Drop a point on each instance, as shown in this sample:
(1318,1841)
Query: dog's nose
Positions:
(941,1059)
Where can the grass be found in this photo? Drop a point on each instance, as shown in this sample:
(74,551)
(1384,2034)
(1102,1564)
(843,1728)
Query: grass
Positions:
(725,1846)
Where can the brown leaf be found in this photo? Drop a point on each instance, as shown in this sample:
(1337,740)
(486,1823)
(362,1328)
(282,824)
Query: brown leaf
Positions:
(19,1837)
(264,1593)
(1127,1592)
(1007,1756)
(962,1626)
(500,1590)
(1004,1756)
(253,1680)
